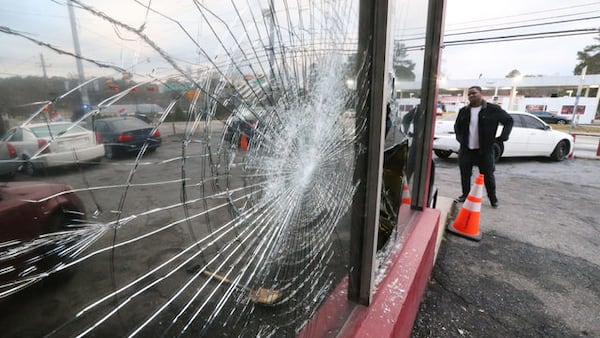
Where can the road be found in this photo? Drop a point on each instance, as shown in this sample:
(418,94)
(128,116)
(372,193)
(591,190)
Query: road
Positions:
(536,271)
(144,197)
(160,268)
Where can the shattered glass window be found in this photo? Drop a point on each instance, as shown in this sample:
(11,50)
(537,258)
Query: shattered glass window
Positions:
(185,168)
(221,211)
(398,176)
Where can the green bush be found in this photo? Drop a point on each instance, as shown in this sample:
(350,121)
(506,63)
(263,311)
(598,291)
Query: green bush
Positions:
(177,115)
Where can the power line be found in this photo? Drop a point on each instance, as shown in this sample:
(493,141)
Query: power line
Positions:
(520,37)
(421,37)
(523,26)
(529,21)
(538,12)
(515,37)
(487,21)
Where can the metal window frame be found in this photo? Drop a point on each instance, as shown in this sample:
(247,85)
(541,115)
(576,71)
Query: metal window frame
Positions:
(374,42)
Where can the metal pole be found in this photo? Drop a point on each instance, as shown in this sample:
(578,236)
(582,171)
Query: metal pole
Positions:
(43,65)
(513,96)
(495,99)
(80,76)
(425,117)
(271,38)
(575,115)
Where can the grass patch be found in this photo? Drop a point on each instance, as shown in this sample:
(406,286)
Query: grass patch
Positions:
(591,129)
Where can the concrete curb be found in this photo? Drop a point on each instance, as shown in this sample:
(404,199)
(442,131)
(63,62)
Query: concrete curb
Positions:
(588,146)
(445,205)
(586,157)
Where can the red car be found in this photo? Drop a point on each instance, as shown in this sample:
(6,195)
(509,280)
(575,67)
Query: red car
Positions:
(27,211)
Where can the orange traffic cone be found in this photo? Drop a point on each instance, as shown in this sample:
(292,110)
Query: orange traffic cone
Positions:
(405,193)
(466,223)
(243,142)
(404,212)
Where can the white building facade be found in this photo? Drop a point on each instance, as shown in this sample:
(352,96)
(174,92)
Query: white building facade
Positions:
(505,91)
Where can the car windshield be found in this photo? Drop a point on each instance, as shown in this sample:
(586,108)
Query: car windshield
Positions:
(55,130)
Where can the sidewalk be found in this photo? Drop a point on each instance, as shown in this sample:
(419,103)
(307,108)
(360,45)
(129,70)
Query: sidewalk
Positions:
(587,146)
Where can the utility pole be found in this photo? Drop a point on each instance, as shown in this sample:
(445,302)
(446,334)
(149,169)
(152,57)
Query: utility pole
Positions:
(575,117)
(80,76)
(43,65)
(269,14)
(271,38)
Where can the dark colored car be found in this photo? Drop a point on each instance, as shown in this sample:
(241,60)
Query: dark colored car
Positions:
(125,135)
(243,121)
(550,118)
(28,211)
(8,160)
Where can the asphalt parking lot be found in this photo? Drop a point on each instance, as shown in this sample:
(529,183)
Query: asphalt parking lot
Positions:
(535,273)
(159,234)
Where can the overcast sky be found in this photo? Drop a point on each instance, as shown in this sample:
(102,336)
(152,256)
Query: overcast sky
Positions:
(48,21)
(548,56)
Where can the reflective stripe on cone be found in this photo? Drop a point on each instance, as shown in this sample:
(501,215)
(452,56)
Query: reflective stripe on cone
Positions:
(466,223)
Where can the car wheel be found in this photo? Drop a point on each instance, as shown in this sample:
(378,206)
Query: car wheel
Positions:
(561,122)
(561,151)
(28,167)
(444,154)
(109,152)
(498,149)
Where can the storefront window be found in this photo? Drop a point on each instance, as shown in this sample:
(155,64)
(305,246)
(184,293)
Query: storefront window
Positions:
(187,168)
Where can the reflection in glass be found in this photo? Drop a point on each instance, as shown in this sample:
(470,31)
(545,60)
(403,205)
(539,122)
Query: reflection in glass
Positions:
(409,20)
(219,203)
(216,201)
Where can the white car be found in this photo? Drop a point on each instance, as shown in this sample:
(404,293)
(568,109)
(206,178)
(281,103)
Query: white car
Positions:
(445,124)
(8,163)
(46,145)
(530,137)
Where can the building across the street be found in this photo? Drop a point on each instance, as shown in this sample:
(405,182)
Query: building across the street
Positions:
(558,94)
